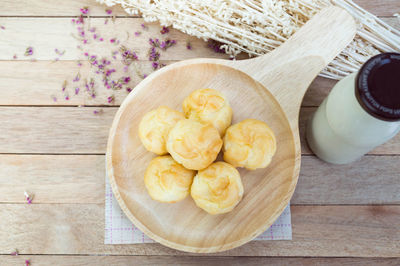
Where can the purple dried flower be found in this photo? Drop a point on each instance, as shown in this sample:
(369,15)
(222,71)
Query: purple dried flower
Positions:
(105,21)
(14,253)
(97,112)
(101,39)
(64,85)
(80,20)
(108,11)
(110,99)
(128,56)
(188,45)
(127,79)
(77,77)
(2,27)
(15,56)
(28,197)
(155,65)
(60,53)
(27,263)
(216,46)
(86,54)
(153,54)
(85,41)
(92,29)
(128,89)
(54,98)
(144,26)
(77,91)
(29,51)
(67,97)
(112,40)
(84,10)
(163,45)
(95,36)
(144,76)
(164,30)
(137,33)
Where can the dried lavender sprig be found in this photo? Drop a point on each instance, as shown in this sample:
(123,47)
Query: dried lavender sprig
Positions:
(29,51)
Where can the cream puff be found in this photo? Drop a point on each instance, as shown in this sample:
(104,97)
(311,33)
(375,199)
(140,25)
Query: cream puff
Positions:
(166,180)
(209,106)
(193,144)
(250,144)
(218,188)
(155,126)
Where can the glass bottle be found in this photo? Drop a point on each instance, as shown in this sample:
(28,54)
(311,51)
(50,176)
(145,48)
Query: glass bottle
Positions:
(361,112)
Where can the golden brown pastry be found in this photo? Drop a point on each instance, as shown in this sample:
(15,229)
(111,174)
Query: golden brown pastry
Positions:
(250,144)
(193,144)
(218,188)
(166,180)
(209,106)
(155,126)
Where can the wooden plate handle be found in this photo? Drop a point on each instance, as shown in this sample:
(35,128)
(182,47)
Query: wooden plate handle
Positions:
(288,70)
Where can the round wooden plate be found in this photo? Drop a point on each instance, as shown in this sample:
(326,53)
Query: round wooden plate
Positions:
(267,191)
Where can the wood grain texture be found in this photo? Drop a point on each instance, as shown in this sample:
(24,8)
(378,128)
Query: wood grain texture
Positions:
(56,8)
(191,260)
(52,178)
(23,82)
(34,83)
(72,229)
(71,7)
(80,179)
(326,231)
(47,34)
(78,130)
(54,130)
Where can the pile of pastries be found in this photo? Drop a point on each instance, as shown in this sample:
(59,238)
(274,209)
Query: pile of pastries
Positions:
(193,139)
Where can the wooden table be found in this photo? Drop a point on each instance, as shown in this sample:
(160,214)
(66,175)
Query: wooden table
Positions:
(341,214)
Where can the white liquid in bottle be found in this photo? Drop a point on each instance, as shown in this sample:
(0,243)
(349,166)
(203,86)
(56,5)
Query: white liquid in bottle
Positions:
(342,130)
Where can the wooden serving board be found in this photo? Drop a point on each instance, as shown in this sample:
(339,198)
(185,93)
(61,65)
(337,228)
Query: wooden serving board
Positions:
(269,88)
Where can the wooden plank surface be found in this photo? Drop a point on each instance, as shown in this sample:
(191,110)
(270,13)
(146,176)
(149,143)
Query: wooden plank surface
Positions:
(23,82)
(339,231)
(80,179)
(67,216)
(54,130)
(47,34)
(71,7)
(65,130)
(191,260)
(56,8)
(35,83)
(52,178)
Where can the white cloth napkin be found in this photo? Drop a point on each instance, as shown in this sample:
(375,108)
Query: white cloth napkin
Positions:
(120,230)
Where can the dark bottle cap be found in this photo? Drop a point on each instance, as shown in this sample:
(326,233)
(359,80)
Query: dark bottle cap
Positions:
(377,86)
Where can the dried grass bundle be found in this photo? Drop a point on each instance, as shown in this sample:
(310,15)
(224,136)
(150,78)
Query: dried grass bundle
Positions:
(258,26)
